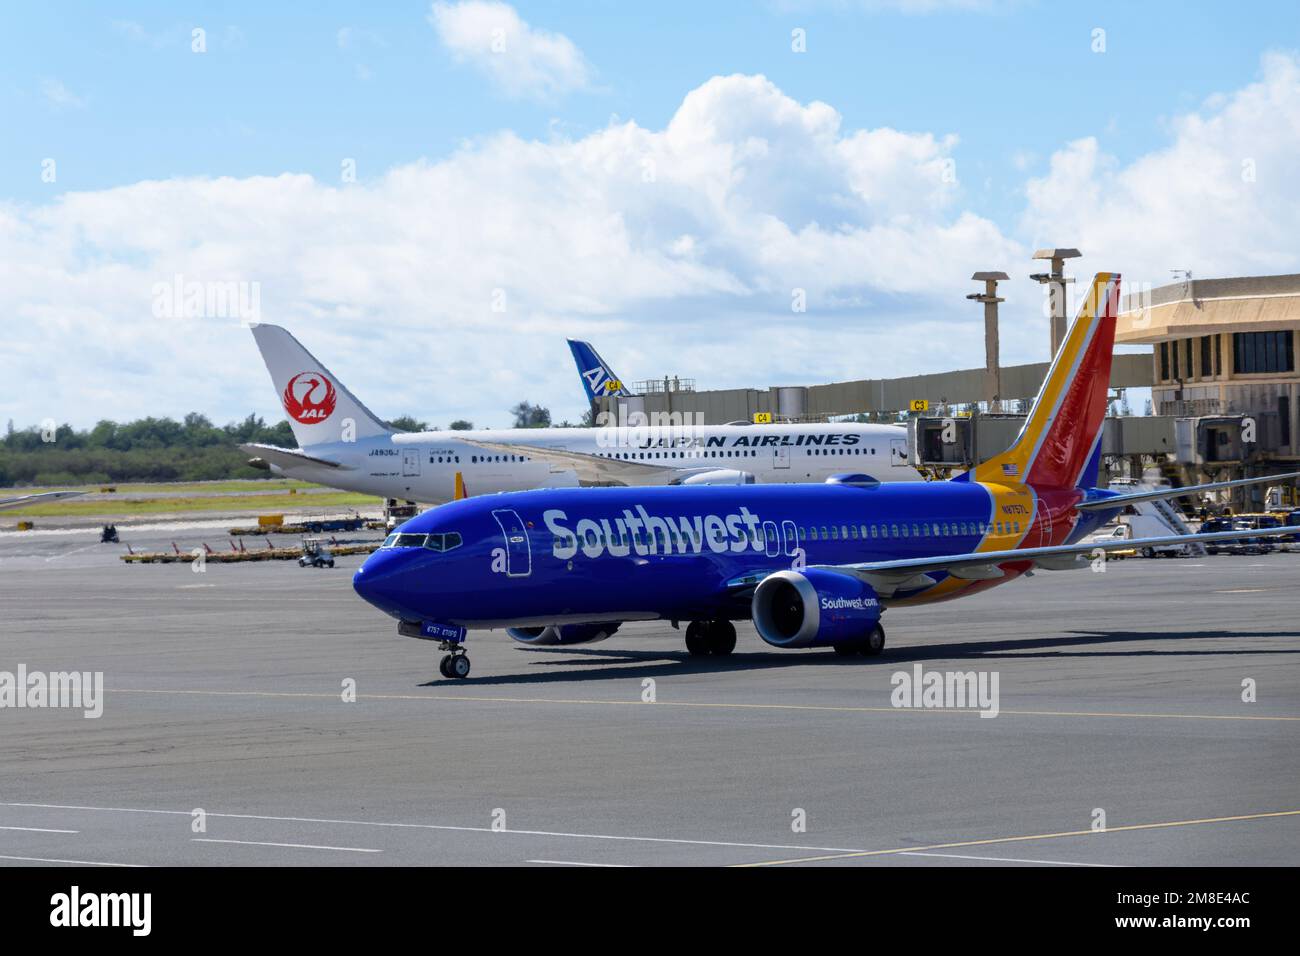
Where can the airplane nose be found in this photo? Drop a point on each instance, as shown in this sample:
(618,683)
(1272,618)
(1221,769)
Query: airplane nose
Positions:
(384,581)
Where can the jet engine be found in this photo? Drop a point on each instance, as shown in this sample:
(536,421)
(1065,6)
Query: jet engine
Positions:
(563,633)
(814,608)
(719,476)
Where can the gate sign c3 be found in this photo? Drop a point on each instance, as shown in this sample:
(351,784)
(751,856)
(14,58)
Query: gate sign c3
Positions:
(919,405)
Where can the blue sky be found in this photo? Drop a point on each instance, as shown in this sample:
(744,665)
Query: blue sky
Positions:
(276,92)
(117,98)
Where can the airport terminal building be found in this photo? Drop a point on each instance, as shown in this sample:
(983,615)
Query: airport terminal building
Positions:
(1222,370)
(1223,357)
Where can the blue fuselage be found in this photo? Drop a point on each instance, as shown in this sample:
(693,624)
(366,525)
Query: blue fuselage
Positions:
(619,554)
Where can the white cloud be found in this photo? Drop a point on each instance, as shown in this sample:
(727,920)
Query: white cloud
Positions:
(1221,199)
(136,33)
(909,7)
(679,247)
(60,96)
(523,61)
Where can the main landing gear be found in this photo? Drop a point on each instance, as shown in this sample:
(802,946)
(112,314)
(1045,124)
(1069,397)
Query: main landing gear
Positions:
(710,638)
(871,647)
(455,664)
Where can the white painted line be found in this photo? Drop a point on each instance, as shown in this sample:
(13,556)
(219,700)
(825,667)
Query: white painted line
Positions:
(436,826)
(38,830)
(1004,859)
(571,863)
(66,553)
(40,859)
(293,846)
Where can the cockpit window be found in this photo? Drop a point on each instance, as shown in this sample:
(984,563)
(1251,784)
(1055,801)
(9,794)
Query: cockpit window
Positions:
(443,542)
(439,541)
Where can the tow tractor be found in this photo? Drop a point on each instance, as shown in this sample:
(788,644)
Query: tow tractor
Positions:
(315,554)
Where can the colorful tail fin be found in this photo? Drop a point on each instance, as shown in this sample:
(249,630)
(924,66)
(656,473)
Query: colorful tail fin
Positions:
(1059,445)
(597,377)
(319,408)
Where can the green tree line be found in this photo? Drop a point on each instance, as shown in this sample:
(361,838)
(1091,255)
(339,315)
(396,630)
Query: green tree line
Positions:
(150,449)
(163,449)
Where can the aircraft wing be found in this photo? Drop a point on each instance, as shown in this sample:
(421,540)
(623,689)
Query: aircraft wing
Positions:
(593,469)
(886,577)
(1119,501)
(22,501)
(286,457)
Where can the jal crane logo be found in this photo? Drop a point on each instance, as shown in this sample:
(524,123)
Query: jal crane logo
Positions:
(309,398)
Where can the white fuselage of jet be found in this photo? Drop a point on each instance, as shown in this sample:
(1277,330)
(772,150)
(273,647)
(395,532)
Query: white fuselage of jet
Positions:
(422,466)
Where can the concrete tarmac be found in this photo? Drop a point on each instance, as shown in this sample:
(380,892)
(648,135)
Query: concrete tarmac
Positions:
(1120,693)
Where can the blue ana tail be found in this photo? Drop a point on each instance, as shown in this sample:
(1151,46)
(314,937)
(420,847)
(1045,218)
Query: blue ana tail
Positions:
(598,379)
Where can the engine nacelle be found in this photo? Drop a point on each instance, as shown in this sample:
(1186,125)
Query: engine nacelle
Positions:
(814,608)
(563,633)
(719,476)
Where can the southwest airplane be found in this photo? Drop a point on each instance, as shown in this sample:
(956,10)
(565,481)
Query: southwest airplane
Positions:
(812,565)
(344,445)
(598,379)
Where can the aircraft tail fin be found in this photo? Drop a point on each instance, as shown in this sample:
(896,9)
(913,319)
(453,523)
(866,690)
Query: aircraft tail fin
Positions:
(320,409)
(1060,443)
(597,377)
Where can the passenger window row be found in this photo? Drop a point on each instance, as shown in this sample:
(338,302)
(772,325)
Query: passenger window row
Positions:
(924,529)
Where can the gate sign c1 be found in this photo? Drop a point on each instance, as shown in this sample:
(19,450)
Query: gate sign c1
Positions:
(919,405)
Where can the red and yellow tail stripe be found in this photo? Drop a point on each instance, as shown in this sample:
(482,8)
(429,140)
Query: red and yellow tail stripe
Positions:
(1031,485)
(1058,437)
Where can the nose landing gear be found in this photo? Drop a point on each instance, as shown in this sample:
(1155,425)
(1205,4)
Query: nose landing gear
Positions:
(455,664)
(717,638)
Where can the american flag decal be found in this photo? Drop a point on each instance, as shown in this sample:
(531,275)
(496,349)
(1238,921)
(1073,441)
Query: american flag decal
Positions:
(1009,469)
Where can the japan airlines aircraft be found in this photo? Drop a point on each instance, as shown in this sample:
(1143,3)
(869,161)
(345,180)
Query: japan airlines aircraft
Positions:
(344,445)
(598,379)
(812,565)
